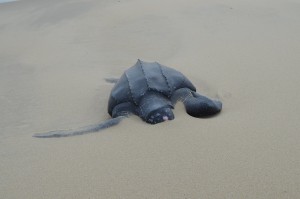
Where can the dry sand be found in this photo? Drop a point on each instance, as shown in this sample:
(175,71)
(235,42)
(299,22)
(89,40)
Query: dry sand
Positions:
(55,54)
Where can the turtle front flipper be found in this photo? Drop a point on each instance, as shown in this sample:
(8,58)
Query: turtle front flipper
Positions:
(83,130)
(120,112)
(197,105)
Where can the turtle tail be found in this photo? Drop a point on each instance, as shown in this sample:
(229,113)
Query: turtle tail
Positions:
(83,130)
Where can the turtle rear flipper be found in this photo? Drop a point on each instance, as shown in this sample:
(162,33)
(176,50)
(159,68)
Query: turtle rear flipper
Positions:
(112,80)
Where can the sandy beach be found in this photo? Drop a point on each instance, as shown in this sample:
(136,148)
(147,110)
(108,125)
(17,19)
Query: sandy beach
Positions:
(54,56)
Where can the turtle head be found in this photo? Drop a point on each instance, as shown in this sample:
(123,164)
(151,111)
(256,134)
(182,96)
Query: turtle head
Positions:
(160,115)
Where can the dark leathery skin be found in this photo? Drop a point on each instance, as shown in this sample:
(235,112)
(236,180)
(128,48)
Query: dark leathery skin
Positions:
(146,77)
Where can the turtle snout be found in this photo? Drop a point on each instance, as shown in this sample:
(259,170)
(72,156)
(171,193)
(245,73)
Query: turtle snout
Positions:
(161,115)
(165,118)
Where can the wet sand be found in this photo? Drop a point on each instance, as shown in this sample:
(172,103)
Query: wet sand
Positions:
(55,56)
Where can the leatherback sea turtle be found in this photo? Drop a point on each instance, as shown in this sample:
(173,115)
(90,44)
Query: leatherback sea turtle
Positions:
(150,91)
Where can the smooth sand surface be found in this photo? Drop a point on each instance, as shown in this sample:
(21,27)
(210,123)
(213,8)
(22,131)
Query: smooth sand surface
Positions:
(54,56)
